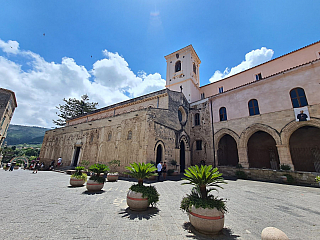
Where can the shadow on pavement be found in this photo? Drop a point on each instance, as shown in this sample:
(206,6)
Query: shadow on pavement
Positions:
(149,213)
(226,233)
(93,193)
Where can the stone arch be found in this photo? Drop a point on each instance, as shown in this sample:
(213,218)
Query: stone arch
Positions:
(249,131)
(221,133)
(291,127)
(159,151)
(227,151)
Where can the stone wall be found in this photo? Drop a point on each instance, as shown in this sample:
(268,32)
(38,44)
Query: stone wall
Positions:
(303,178)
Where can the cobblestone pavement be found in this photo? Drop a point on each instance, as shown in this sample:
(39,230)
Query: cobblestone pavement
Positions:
(42,206)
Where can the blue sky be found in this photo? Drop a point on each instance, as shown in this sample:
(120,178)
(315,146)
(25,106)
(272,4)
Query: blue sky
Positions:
(57,44)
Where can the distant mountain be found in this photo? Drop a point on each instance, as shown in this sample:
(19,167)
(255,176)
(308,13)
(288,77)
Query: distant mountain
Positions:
(18,134)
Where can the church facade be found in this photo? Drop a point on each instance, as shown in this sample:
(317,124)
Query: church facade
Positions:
(261,118)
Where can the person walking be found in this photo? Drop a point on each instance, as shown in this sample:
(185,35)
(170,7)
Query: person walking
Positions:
(164,170)
(159,169)
(36,166)
(59,162)
(12,166)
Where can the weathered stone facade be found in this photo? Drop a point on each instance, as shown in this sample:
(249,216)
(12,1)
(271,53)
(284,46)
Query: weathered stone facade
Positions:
(8,103)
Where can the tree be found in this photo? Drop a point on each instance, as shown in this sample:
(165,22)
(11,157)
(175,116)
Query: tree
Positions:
(74,108)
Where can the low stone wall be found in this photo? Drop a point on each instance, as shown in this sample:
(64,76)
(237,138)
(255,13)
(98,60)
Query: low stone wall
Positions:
(300,178)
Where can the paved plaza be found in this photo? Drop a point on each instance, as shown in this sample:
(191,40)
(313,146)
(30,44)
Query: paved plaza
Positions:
(43,206)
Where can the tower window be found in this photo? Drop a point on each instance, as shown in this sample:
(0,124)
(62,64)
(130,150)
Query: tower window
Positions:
(178,66)
(129,135)
(223,114)
(220,89)
(194,68)
(258,76)
(202,96)
(253,107)
(199,144)
(197,119)
(298,98)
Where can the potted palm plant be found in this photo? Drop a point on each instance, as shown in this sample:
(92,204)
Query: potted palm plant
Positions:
(78,178)
(206,212)
(139,197)
(96,181)
(113,175)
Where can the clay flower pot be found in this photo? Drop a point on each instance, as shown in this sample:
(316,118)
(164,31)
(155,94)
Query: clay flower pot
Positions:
(112,177)
(93,186)
(75,182)
(207,221)
(136,202)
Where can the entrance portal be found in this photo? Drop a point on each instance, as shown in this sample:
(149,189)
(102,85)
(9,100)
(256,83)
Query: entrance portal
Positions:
(159,154)
(262,151)
(182,157)
(227,151)
(76,156)
(305,149)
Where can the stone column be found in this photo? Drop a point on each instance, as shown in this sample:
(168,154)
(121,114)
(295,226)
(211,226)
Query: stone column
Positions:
(187,158)
(243,157)
(284,155)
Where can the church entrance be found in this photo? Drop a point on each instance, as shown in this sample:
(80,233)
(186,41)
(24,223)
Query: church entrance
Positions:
(159,154)
(76,156)
(182,157)
(262,151)
(227,151)
(305,149)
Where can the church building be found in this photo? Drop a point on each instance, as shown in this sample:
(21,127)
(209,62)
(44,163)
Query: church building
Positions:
(261,118)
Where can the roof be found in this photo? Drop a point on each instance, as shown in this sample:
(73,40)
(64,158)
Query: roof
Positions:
(185,48)
(13,95)
(275,74)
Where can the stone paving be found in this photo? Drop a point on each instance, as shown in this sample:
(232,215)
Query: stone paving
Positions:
(42,206)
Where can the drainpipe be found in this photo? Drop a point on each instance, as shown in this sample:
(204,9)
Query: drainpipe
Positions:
(213,147)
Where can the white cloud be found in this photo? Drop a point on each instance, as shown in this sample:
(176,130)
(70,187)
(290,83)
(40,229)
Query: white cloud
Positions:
(42,87)
(10,46)
(253,58)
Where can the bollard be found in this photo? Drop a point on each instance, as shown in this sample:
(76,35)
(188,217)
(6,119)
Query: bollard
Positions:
(272,233)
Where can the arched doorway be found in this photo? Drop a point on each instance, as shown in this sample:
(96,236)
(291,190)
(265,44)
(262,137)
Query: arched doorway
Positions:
(227,151)
(182,157)
(305,149)
(159,154)
(262,151)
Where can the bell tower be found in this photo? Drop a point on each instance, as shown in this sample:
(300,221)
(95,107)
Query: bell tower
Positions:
(183,73)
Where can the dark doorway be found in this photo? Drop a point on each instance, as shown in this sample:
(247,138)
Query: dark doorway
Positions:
(182,157)
(227,151)
(76,156)
(305,149)
(262,151)
(159,154)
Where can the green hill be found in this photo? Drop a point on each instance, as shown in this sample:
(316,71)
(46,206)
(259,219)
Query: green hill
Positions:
(18,134)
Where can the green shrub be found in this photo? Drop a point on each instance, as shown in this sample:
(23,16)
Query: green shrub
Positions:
(241,174)
(173,162)
(170,172)
(79,174)
(205,179)
(317,179)
(141,171)
(149,192)
(290,179)
(285,167)
(98,169)
(195,200)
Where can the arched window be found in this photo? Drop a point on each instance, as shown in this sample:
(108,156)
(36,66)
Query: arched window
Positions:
(197,119)
(178,66)
(109,136)
(223,114)
(129,135)
(194,68)
(298,98)
(253,107)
